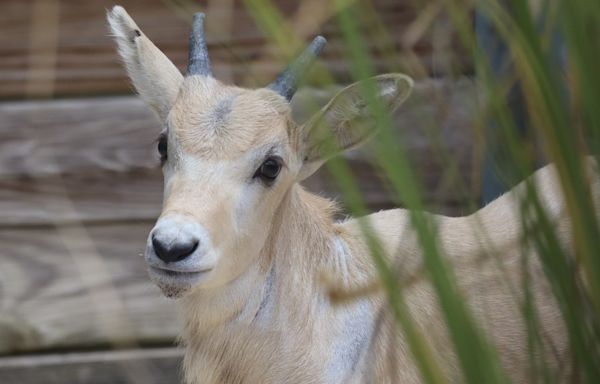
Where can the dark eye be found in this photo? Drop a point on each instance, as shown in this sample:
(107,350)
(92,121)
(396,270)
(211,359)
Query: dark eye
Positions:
(269,169)
(162,148)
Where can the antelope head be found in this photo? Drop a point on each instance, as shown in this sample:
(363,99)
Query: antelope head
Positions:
(229,155)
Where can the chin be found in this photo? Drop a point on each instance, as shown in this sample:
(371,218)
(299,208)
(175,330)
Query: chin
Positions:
(176,284)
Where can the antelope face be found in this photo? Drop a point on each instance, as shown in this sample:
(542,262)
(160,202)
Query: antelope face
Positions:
(230,155)
(227,162)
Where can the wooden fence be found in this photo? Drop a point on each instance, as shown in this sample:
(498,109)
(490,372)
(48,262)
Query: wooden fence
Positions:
(77,54)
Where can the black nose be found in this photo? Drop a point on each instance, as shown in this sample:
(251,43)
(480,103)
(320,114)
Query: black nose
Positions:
(174,251)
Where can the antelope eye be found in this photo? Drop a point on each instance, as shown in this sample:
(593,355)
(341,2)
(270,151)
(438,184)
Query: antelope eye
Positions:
(269,169)
(162,148)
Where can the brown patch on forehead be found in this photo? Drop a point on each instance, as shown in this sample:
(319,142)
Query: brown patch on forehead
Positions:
(210,119)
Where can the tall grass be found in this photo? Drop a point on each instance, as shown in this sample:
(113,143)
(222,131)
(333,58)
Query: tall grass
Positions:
(563,114)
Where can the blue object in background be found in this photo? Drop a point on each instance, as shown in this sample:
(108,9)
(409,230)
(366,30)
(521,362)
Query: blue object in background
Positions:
(497,175)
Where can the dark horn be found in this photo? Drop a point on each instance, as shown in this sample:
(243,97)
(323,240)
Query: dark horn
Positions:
(198,60)
(287,82)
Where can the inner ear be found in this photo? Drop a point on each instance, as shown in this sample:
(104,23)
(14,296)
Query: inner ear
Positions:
(347,121)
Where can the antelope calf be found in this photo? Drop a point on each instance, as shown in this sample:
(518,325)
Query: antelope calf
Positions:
(243,246)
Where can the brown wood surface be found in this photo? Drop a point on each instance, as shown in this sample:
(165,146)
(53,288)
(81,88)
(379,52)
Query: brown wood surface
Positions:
(76,135)
(139,366)
(79,286)
(92,197)
(81,59)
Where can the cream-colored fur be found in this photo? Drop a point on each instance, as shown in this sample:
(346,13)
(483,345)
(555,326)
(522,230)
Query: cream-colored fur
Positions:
(263,314)
(155,77)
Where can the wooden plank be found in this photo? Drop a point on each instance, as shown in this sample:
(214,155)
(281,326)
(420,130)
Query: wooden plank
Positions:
(143,366)
(118,133)
(55,137)
(86,62)
(94,160)
(109,197)
(79,286)
(94,197)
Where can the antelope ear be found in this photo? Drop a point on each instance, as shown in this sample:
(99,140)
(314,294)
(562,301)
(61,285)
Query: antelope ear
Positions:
(346,121)
(154,76)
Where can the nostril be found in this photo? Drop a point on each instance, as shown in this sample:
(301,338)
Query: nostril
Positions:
(173,251)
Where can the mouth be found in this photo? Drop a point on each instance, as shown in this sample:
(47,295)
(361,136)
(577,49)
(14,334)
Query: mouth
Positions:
(174,283)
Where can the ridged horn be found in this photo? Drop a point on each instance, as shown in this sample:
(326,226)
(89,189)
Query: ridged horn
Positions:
(287,82)
(198,63)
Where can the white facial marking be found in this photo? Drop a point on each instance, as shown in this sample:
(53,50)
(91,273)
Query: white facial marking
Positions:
(176,277)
